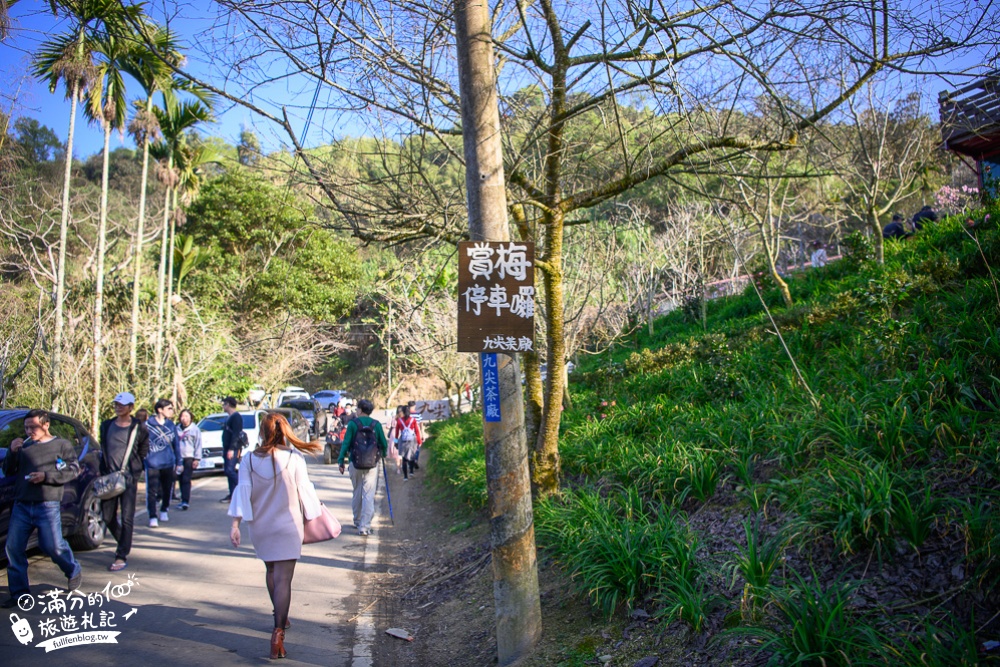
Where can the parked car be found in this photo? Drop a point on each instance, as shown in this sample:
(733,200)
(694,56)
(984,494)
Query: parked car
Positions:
(299,424)
(211,437)
(328,398)
(82,520)
(256,397)
(318,418)
(289,393)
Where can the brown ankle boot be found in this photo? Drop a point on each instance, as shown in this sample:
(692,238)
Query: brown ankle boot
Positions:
(277,643)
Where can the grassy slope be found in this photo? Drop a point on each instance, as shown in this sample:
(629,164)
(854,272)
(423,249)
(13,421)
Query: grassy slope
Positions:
(701,480)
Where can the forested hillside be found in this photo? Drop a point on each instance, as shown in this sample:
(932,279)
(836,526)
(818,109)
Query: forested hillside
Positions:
(828,496)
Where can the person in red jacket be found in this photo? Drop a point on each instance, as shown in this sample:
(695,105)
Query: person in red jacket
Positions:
(408,439)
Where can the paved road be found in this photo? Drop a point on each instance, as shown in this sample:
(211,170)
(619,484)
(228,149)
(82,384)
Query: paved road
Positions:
(200,602)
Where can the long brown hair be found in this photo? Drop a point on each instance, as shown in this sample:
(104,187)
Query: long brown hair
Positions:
(276,433)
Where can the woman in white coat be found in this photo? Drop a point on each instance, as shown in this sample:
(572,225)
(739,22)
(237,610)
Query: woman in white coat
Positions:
(273,493)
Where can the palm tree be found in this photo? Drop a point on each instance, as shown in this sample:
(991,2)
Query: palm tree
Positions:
(5,17)
(106,105)
(153,75)
(175,118)
(68,58)
(191,156)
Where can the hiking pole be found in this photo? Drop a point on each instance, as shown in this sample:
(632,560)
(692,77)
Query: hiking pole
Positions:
(387,497)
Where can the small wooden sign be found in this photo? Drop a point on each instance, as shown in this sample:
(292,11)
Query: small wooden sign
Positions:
(496,296)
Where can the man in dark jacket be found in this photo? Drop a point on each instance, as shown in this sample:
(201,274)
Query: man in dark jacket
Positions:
(926,214)
(116,434)
(895,229)
(232,443)
(41,465)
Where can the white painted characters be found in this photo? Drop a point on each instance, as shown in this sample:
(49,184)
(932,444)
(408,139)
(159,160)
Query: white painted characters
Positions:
(508,260)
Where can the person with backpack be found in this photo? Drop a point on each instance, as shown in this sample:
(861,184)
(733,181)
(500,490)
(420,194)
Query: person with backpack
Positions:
(365,442)
(407,430)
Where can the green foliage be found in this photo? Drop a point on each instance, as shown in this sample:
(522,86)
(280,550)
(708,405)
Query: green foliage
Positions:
(851,500)
(621,548)
(817,627)
(756,565)
(187,257)
(38,143)
(905,362)
(858,249)
(263,257)
(458,458)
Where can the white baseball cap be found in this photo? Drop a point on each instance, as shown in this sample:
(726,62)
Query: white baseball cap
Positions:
(125,398)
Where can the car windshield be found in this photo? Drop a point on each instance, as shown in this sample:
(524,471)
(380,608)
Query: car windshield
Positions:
(299,405)
(218,422)
(324,394)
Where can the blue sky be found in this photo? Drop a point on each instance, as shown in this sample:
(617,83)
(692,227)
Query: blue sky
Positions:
(33,24)
(196,22)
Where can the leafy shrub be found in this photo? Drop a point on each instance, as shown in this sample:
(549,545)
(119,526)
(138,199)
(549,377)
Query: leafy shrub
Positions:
(816,627)
(851,500)
(857,249)
(459,462)
(616,548)
(939,267)
(939,645)
(756,565)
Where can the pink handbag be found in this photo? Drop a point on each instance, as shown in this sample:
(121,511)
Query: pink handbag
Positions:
(322,528)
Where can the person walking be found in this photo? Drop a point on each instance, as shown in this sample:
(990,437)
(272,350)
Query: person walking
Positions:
(232,444)
(190,450)
(40,465)
(412,405)
(818,258)
(116,434)
(162,461)
(364,440)
(272,496)
(407,431)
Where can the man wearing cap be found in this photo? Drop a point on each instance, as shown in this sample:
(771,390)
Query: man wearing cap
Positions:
(40,466)
(115,437)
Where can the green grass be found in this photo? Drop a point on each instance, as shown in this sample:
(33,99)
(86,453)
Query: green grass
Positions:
(900,457)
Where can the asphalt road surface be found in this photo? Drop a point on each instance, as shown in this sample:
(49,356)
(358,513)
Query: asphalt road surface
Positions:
(198,601)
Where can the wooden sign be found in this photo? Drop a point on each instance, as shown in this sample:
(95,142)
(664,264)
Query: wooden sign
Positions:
(496,296)
(432,410)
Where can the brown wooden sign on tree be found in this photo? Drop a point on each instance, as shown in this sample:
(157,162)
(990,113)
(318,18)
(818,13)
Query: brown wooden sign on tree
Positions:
(496,296)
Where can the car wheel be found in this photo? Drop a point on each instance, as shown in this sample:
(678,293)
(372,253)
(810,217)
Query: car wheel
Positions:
(90,533)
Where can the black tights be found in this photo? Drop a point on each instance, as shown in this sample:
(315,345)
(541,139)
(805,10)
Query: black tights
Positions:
(279,587)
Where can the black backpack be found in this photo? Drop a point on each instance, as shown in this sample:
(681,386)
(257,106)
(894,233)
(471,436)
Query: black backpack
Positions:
(364,447)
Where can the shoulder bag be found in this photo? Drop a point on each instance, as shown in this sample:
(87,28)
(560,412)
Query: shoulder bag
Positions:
(114,483)
(321,528)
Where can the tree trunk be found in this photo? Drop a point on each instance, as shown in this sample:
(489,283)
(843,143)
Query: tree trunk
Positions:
(512,535)
(171,243)
(161,286)
(545,471)
(133,353)
(102,233)
(534,399)
(772,265)
(877,241)
(60,295)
